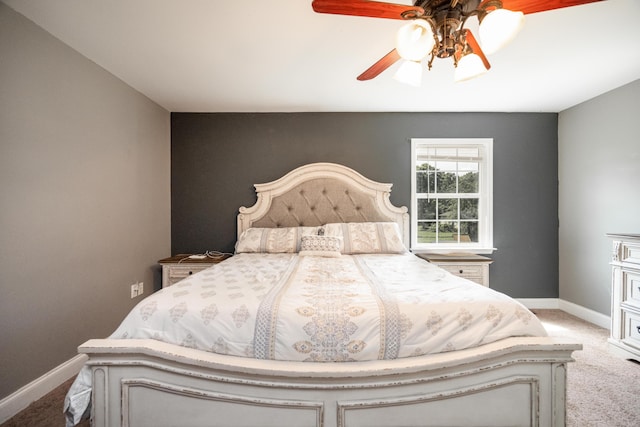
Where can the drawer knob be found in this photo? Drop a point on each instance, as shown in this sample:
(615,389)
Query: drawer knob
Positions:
(461,271)
(190,273)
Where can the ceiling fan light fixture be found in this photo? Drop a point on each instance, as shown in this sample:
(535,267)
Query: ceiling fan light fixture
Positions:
(498,28)
(438,27)
(415,40)
(409,72)
(469,66)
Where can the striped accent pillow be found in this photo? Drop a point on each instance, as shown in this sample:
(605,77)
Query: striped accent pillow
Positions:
(367,237)
(273,240)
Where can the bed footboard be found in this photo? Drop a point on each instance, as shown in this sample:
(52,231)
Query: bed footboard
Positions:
(516,381)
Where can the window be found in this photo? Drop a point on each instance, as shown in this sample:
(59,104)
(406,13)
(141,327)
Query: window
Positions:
(451,195)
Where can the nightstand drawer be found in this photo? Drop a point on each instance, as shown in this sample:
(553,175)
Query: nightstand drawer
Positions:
(469,266)
(181,266)
(464,270)
(176,273)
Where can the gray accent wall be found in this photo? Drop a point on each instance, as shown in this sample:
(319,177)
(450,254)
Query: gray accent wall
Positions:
(84,196)
(599,172)
(216,159)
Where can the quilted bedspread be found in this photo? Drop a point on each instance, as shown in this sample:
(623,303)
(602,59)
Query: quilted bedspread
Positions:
(314,309)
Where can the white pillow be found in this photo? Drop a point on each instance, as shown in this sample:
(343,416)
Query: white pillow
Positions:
(367,237)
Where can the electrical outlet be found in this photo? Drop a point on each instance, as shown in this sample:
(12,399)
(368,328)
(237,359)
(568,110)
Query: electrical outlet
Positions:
(140,288)
(134,290)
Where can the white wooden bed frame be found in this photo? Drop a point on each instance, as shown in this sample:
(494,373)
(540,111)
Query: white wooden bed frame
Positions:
(513,382)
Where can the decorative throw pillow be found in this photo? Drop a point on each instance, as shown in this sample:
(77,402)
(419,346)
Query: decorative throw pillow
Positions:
(324,246)
(367,237)
(273,240)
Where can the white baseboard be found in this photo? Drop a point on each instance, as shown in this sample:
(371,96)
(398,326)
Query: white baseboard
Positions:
(19,400)
(541,303)
(587,314)
(583,313)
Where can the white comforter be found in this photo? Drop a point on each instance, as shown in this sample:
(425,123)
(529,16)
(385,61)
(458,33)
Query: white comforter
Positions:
(350,308)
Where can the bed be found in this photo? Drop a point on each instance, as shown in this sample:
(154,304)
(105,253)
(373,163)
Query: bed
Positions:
(323,318)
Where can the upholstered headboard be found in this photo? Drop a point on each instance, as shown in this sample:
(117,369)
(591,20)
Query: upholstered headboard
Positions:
(321,193)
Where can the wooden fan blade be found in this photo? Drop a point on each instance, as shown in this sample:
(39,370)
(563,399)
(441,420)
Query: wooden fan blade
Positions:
(385,62)
(534,6)
(473,43)
(373,9)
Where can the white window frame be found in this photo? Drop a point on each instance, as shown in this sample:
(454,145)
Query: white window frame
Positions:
(485,203)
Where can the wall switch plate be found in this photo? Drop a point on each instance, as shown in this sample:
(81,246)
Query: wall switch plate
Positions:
(134,290)
(140,288)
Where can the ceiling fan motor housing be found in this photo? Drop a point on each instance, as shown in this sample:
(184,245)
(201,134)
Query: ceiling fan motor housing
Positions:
(447,18)
(466,6)
(447,24)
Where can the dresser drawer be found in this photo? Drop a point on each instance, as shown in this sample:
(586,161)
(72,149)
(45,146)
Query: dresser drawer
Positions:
(631,329)
(627,253)
(631,285)
(631,253)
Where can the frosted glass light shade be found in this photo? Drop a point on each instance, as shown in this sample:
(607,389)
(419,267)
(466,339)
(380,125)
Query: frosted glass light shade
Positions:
(409,72)
(469,66)
(415,40)
(498,28)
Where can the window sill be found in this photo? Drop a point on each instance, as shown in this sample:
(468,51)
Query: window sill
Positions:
(453,250)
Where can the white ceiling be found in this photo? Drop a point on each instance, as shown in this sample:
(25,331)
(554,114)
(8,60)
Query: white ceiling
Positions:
(280,56)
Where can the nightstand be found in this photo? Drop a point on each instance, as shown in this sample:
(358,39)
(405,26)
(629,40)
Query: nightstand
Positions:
(470,266)
(180,266)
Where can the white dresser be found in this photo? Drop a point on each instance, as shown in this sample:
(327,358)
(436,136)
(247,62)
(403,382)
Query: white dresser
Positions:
(625,296)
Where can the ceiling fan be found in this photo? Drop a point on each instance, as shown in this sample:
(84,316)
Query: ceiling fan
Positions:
(436,29)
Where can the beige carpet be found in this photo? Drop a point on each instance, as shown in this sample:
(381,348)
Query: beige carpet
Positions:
(46,412)
(603,390)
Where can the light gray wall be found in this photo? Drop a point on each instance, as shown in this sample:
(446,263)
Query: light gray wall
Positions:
(599,190)
(84,199)
(216,159)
